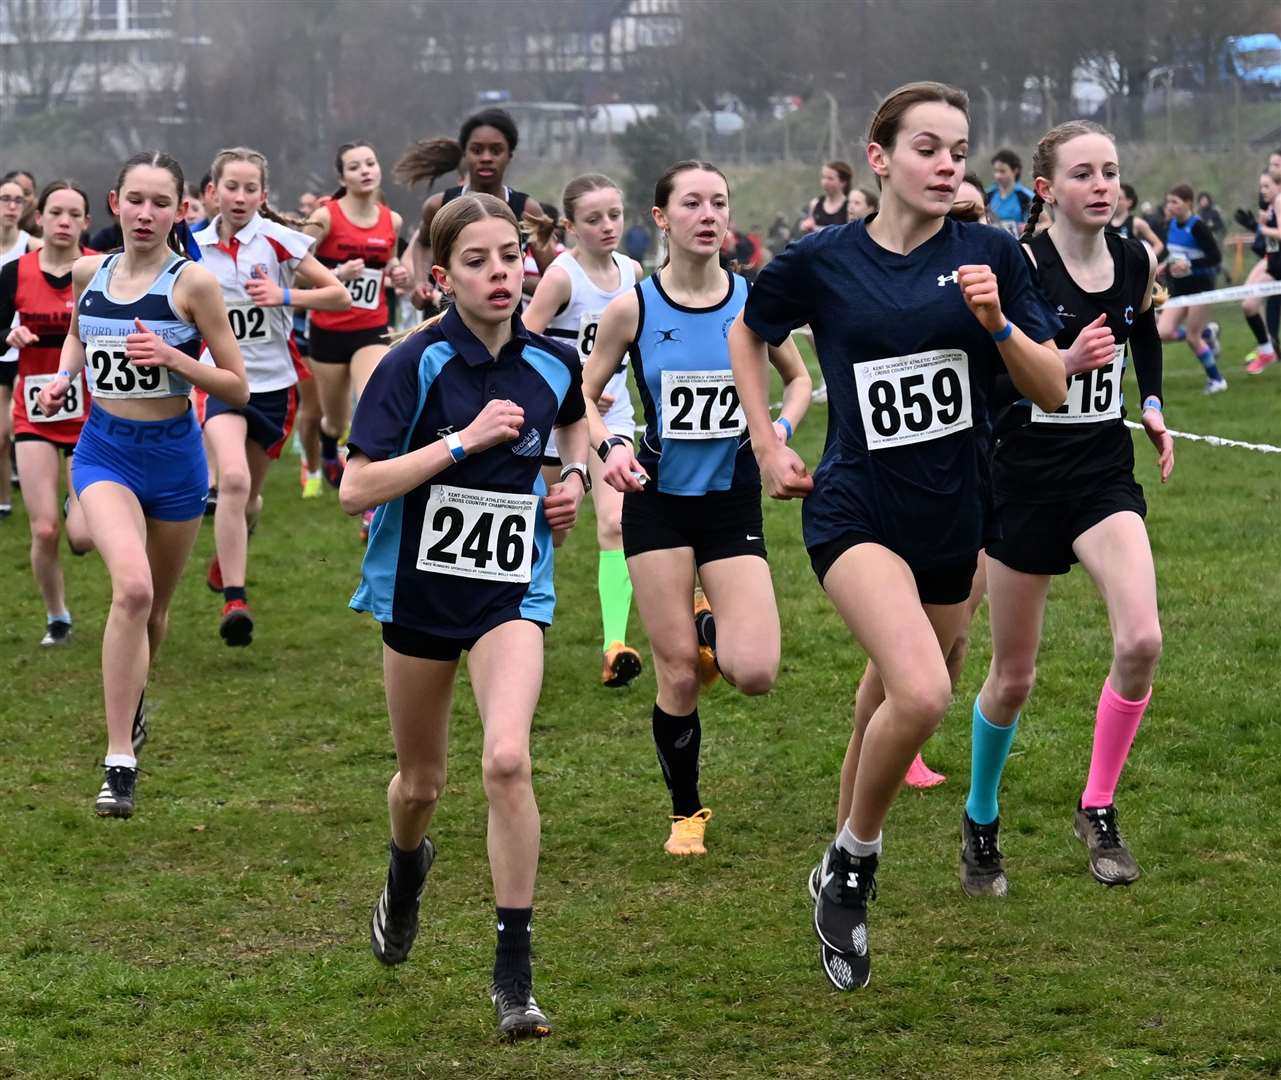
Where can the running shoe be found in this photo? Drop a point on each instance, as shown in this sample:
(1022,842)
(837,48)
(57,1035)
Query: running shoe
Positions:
(366,520)
(5,509)
(620,665)
(115,799)
(1110,860)
(312,483)
(846,884)
(237,625)
(982,872)
(211,501)
(1261,362)
(920,775)
(1210,335)
(141,725)
(394,922)
(1250,357)
(56,633)
(1215,386)
(332,471)
(214,577)
(708,672)
(687,834)
(519,1016)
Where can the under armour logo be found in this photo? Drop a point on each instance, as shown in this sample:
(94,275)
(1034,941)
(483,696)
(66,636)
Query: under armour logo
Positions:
(852,879)
(448,429)
(945,278)
(667,335)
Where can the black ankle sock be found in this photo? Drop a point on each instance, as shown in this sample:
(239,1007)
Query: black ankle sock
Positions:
(408,868)
(705,629)
(328,447)
(678,739)
(232,592)
(511,956)
(1260,332)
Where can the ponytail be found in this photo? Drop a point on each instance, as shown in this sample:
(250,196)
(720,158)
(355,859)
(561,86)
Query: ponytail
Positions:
(1033,214)
(428,159)
(287,220)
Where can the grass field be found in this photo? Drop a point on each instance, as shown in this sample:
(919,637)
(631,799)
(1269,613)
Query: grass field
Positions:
(222,932)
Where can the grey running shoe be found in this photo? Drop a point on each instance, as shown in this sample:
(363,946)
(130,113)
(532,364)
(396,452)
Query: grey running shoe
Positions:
(982,872)
(393,926)
(115,799)
(519,1016)
(56,633)
(1110,860)
(846,884)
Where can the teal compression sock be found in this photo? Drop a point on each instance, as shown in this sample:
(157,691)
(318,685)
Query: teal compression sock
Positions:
(989,747)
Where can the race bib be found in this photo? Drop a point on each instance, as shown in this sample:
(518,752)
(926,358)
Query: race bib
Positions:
(1093,396)
(701,405)
(73,405)
(113,376)
(914,399)
(250,324)
(364,289)
(478,534)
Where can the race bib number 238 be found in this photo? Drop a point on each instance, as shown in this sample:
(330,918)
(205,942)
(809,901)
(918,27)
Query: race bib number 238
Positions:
(914,399)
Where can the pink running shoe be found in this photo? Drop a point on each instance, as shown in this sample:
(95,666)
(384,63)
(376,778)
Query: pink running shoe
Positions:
(920,775)
(1261,361)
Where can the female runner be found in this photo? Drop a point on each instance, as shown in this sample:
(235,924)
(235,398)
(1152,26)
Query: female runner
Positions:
(913,315)
(832,207)
(1191,266)
(692,502)
(1266,269)
(139,467)
(460,559)
(568,304)
(1126,223)
(15,242)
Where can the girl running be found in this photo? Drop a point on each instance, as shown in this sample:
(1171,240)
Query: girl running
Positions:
(1127,224)
(692,502)
(1266,269)
(1191,266)
(913,314)
(1065,492)
(568,304)
(356,238)
(482,152)
(255,255)
(460,559)
(15,242)
(139,467)
(35,293)
(833,206)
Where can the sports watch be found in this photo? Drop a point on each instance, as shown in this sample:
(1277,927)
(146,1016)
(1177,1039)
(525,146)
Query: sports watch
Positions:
(579,467)
(603,450)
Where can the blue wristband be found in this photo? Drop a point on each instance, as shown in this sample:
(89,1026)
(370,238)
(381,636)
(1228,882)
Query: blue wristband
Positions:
(786,427)
(1003,334)
(1152,402)
(285,302)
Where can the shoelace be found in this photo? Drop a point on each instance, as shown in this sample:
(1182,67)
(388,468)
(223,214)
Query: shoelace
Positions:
(118,779)
(517,994)
(851,896)
(1105,830)
(986,853)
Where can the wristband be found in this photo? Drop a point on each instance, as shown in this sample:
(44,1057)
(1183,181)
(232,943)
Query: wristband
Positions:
(787,426)
(1153,402)
(286,301)
(65,375)
(1004,333)
(455,444)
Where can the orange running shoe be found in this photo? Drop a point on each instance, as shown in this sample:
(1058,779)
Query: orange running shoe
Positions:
(708,672)
(620,665)
(687,834)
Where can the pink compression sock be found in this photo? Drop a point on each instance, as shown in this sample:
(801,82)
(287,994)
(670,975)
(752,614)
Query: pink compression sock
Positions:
(1115,723)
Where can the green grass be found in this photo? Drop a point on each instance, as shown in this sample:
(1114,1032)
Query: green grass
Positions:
(222,932)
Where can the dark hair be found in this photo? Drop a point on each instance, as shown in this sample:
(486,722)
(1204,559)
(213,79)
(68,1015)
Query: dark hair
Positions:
(584,185)
(1206,196)
(13,174)
(1184,192)
(429,159)
(158,159)
(666,182)
(843,172)
(872,199)
(883,129)
(61,185)
(205,181)
(343,150)
(1128,191)
(1045,158)
(966,211)
(259,161)
(1006,156)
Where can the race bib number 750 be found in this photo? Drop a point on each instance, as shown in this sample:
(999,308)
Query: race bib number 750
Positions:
(478,534)
(914,399)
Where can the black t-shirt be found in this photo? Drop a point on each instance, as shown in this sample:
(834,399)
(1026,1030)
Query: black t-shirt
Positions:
(1040,457)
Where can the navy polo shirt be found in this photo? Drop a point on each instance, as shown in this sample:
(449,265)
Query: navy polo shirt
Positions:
(434,382)
(909,374)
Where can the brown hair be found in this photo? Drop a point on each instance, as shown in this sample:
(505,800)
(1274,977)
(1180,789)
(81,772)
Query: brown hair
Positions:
(1045,160)
(666,182)
(61,185)
(883,129)
(242,153)
(1184,192)
(179,239)
(342,152)
(967,211)
(584,185)
(844,172)
(428,159)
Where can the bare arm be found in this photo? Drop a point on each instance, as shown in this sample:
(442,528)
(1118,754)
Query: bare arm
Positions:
(199,294)
(552,294)
(1145,232)
(72,359)
(326,293)
(614,336)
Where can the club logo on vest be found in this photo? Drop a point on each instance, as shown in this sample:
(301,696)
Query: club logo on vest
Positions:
(1063,313)
(529,445)
(1129,315)
(667,335)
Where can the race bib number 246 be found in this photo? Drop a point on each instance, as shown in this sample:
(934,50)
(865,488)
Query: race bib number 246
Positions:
(478,534)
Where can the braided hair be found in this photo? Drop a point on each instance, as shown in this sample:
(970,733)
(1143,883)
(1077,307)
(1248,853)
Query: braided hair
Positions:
(1044,162)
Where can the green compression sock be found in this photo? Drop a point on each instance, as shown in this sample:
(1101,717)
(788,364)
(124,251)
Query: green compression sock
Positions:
(615,587)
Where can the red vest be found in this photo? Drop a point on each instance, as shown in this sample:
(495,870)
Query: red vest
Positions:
(377,246)
(46,312)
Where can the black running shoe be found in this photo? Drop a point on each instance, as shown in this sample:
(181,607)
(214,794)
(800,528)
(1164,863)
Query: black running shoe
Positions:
(141,726)
(846,884)
(211,501)
(519,1016)
(115,799)
(56,633)
(1110,860)
(982,872)
(394,922)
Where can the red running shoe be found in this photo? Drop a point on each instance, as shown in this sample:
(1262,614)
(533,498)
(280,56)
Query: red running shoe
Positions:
(237,626)
(214,578)
(333,471)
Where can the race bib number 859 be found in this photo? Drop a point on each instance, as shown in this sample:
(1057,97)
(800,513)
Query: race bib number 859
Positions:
(115,377)
(478,534)
(1093,396)
(701,405)
(914,399)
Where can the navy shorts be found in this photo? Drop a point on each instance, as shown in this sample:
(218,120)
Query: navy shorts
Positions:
(269,416)
(161,461)
(425,646)
(339,346)
(29,436)
(8,373)
(944,583)
(717,525)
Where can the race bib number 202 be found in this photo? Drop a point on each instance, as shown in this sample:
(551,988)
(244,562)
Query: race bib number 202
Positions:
(478,534)
(914,399)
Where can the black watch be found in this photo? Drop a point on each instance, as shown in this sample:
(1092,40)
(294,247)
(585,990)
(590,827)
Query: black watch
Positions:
(603,450)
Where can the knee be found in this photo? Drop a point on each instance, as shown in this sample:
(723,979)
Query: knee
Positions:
(755,678)
(923,703)
(506,765)
(609,531)
(233,483)
(1140,647)
(678,676)
(1013,684)
(133,596)
(420,789)
(44,532)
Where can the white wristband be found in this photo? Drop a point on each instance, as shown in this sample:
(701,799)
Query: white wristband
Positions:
(454,442)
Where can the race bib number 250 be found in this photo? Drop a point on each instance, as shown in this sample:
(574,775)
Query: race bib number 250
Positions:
(478,534)
(914,399)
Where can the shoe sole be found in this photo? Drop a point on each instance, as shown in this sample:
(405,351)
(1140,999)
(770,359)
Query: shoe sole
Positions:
(525,1031)
(625,668)
(237,630)
(113,811)
(984,890)
(823,959)
(1109,882)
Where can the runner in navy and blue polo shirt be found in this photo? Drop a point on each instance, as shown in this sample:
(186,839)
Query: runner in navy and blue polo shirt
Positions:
(447,442)
(913,315)
(692,492)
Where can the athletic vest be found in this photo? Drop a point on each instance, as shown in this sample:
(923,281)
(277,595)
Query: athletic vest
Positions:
(515,199)
(1180,241)
(104,323)
(822,218)
(1125,230)
(46,312)
(377,246)
(578,321)
(10,356)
